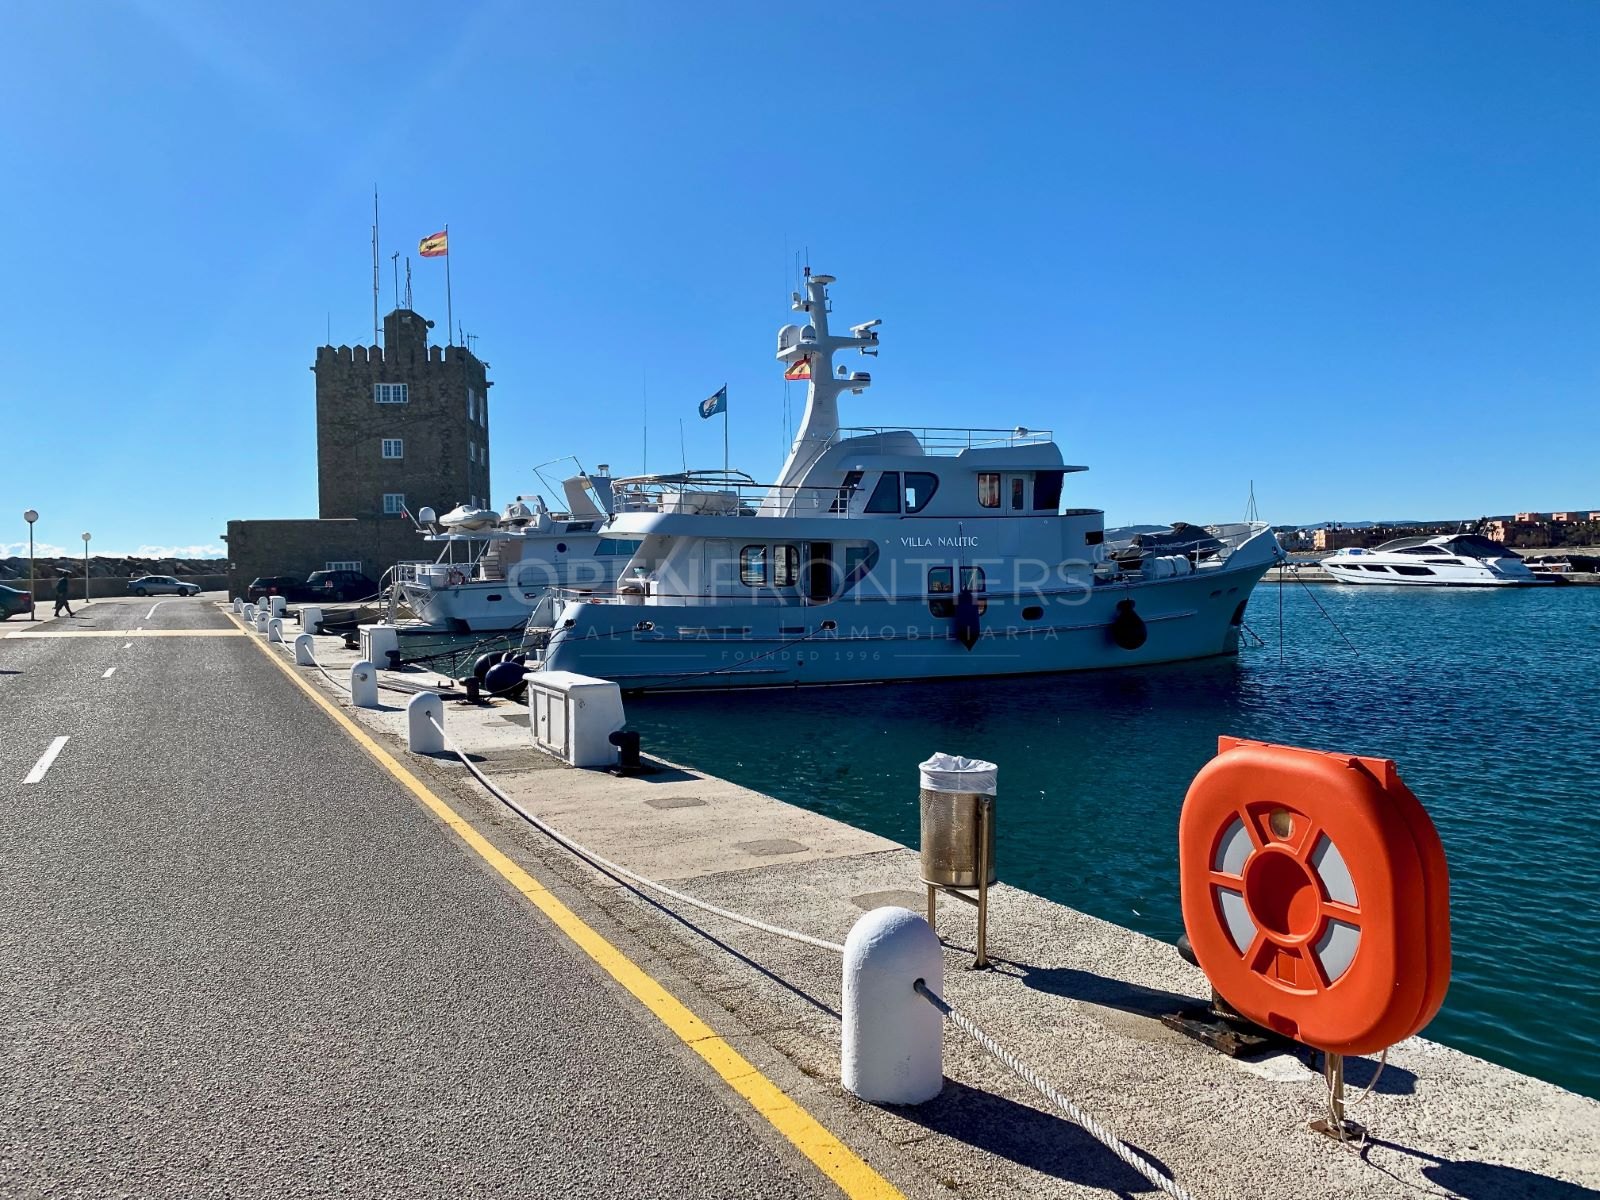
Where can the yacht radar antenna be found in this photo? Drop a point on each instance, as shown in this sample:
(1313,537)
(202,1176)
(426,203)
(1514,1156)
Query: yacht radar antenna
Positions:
(807,352)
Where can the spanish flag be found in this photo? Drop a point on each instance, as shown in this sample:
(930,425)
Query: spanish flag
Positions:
(799,369)
(435,245)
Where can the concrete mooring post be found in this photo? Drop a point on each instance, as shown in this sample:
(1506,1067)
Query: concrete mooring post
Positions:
(275,629)
(238,605)
(893,1038)
(262,617)
(310,617)
(364,685)
(422,735)
(303,655)
(249,613)
(277,604)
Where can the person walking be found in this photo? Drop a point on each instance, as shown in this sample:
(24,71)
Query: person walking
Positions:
(61,598)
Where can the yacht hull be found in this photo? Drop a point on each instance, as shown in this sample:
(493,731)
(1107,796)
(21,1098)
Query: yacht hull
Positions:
(721,646)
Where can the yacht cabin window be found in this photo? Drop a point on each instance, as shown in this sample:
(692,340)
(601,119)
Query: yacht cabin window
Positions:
(753,566)
(1018,487)
(852,481)
(920,487)
(885,497)
(1047,490)
(785,566)
(988,489)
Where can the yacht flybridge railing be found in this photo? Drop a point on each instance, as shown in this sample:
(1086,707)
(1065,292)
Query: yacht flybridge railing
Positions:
(943,440)
(716,495)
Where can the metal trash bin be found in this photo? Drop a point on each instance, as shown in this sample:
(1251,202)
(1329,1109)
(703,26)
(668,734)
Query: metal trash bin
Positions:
(953,789)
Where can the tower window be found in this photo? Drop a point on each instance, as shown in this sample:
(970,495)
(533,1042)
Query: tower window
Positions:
(394,447)
(390,393)
(472,451)
(472,405)
(394,503)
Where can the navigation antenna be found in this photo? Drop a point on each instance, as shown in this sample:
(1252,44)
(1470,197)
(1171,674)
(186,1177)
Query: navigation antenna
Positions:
(1250,511)
(375,327)
(395,260)
(408,281)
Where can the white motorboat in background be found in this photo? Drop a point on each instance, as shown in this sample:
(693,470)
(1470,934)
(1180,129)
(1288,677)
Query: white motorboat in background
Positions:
(891,554)
(1442,560)
(493,567)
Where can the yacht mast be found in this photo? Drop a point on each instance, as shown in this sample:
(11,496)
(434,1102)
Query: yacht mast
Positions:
(813,345)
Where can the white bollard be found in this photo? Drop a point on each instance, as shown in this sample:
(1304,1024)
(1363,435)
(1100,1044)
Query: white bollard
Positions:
(238,605)
(302,651)
(249,613)
(262,617)
(422,735)
(893,1038)
(278,604)
(310,617)
(364,685)
(377,641)
(275,629)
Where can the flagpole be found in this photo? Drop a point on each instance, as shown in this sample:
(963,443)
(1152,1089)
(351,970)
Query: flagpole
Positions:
(449,303)
(725,433)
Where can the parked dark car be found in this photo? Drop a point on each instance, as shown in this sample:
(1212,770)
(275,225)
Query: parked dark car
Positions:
(13,601)
(340,585)
(290,587)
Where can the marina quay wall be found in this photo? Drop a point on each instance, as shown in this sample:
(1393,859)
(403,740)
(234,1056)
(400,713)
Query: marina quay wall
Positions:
(1075,998)
(300,546)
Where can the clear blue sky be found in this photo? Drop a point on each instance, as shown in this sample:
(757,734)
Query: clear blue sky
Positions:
(1347,251)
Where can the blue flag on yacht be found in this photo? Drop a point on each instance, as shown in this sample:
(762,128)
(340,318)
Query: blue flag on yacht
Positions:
(712,405)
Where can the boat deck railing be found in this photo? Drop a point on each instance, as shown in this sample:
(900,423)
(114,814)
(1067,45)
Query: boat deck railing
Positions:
(728,496)
(943,440)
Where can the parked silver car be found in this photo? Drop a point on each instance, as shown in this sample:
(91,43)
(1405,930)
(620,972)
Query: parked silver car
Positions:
(162,585)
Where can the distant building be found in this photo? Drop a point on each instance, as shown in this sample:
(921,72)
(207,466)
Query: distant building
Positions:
(1528,518)
(400,427)
(1337,539)
(1565,517)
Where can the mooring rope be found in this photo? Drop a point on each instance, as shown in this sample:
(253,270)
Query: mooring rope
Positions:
(605,864)
(1039,1084)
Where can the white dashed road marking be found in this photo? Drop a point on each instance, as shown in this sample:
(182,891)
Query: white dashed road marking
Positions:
(44,763)
(125,645)
(110,671)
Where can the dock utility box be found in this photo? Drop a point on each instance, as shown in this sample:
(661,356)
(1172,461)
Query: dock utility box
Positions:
(573,717)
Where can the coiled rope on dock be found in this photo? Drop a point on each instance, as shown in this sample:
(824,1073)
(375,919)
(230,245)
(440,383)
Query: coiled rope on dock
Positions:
(1043,1086)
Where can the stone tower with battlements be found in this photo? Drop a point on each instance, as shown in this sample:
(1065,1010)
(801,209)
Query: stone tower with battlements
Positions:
(404,425)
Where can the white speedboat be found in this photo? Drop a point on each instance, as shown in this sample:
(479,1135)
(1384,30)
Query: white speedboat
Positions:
(493,568)
(1443,560)
(891,554)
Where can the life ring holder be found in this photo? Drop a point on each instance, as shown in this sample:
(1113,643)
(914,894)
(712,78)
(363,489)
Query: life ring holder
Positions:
(456,577)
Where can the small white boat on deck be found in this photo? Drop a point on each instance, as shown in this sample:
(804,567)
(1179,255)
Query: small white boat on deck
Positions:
(493,567)
(1442,560)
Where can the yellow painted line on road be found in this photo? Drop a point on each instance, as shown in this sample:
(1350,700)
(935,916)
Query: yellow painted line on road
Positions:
(854,1176)
(123,633)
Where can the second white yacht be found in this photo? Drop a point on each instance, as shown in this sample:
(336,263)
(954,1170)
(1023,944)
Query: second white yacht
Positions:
(1442,560)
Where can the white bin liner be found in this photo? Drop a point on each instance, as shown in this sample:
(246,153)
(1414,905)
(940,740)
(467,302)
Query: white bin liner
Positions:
(953,773)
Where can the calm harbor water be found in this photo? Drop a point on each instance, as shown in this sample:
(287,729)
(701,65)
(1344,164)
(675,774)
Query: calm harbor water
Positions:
(1485,699)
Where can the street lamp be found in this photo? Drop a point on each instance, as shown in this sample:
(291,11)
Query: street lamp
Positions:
(30,517)
(86,568)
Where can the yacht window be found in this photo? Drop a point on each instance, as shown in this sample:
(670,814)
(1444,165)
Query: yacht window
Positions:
(1408,569)
(1017,490)
(941,581)
(1446,562)
(988,489)
(616,548)
(580,527)
(920,487)
(852,481)
(1370,567)
(1417,550)
(885,497)
(1093,537)
(785,565)
(1032,613)
(972,579)
(753,566)
(1047,490)
(858,562)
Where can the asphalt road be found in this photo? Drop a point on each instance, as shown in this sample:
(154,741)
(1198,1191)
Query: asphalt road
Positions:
(238,959)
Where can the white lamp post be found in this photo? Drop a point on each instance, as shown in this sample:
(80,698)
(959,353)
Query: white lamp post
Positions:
(30,517)
(86,568)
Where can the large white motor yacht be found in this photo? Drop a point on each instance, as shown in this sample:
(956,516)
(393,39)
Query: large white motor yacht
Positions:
(492,569)
(1443,560)
(890,554)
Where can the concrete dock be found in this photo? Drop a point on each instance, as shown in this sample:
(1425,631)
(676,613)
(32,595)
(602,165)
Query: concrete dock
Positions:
(243,956)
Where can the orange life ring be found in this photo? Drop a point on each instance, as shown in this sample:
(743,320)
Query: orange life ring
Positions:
(1315,894)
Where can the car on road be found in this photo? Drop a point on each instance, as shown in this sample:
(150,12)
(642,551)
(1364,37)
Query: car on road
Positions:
(14,601)
(340,585)
(162,585)
(290,587)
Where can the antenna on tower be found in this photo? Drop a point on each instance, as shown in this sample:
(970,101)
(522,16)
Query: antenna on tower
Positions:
(375,327)
(395,259)
(408,281)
